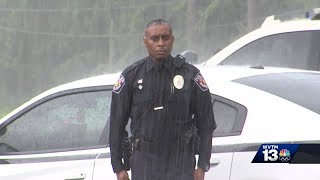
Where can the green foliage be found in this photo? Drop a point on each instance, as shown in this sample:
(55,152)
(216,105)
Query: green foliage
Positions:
(208,11)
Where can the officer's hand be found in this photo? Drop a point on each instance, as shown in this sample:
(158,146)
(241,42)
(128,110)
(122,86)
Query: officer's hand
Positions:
(198,174)
(123,175)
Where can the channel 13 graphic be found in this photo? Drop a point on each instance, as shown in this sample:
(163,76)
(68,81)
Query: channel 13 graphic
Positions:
(288,153)
(275,153)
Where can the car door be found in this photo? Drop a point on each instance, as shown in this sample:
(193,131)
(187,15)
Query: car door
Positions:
(56,137)
(103,168)
(230,117)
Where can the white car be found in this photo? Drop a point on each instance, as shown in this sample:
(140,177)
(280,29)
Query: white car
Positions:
(290,44)
(62,133)
(257,106)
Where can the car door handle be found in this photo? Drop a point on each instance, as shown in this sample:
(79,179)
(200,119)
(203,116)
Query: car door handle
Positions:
(81,176)
(214,161)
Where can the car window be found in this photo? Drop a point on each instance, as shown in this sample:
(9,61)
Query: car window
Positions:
(74,120)
(292,50)
(229,116)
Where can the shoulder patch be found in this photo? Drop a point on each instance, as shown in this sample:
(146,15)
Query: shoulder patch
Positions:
(199,80)
(119,84)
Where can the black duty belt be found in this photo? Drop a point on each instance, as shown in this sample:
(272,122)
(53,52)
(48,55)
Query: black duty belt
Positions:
(155,147)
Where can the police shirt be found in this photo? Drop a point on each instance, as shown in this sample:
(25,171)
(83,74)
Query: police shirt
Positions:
(161,99)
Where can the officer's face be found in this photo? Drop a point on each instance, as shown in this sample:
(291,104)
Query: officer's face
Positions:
(159,41)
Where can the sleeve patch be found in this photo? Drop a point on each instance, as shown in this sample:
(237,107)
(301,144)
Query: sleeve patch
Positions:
(201,82)
(119,85)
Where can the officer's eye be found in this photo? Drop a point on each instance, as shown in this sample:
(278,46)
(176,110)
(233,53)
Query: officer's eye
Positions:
(155,38)
(165,37)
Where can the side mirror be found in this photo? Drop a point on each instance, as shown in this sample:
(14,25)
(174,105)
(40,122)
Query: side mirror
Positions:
(191,56)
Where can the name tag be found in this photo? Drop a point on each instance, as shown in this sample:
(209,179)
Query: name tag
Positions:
(158,108)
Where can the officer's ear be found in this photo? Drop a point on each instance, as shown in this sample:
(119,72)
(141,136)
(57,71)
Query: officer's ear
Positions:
(144,40)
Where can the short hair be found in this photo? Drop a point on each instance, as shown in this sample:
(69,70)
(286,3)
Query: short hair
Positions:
(157,21)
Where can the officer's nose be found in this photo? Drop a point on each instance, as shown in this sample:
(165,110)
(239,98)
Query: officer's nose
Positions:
(161,42)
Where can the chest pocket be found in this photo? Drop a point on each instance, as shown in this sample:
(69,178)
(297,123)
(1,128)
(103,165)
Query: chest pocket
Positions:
(141,100)
(178,105)
(141,97)
(178,97)
(181,96)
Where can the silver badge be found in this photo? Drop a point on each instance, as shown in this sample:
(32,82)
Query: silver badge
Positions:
(140,86)
(178,82)
(140,81)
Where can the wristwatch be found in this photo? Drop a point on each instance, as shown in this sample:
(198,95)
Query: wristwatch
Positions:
(204,167)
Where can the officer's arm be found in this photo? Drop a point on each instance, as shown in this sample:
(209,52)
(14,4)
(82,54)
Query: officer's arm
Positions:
(119,115)
(203,112)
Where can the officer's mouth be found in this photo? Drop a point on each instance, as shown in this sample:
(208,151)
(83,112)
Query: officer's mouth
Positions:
(161,52)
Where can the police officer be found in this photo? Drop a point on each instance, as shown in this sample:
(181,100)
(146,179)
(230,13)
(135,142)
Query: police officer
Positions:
(166,99)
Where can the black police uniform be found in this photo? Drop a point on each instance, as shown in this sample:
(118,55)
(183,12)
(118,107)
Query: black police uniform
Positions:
(164,100)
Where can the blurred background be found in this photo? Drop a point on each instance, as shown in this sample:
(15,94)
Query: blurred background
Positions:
(44,43)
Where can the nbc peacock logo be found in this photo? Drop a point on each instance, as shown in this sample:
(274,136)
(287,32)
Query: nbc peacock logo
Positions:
(284,155)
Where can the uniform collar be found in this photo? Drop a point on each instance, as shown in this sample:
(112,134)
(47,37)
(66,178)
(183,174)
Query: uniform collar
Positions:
(152,65)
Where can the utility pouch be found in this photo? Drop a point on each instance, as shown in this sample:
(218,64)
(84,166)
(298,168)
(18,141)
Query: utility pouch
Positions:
(127,149)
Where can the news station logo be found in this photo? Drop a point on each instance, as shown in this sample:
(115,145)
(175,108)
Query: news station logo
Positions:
(275,153)
(284,155)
